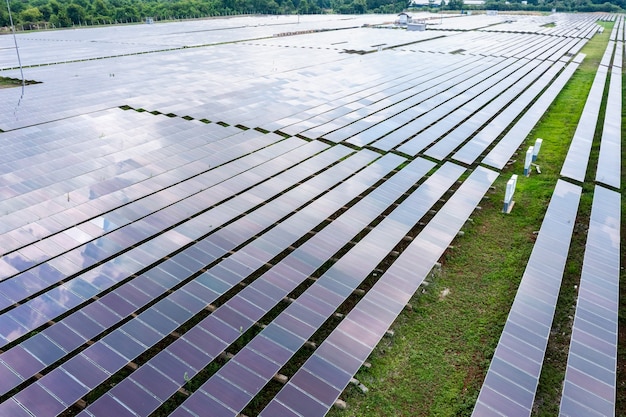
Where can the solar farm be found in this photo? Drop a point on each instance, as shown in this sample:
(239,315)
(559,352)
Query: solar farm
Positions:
(254,200)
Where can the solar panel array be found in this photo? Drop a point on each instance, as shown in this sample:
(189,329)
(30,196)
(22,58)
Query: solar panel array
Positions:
(609,161)
(501,153)
(511,382)
(575,166)
(152,225)
(357,335)
(590,381)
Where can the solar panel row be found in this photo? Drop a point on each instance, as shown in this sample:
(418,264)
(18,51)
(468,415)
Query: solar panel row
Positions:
(333,363)
(472,150)
(440,113)
(407,115)
(494,86)
(554,25)
(501,153)
(364,102)
(427,86)
(78,321)
(511,382)
(575,165)
(482,88)
(488,105)
(166,184)
(125,225)
(255,300)
(590,380)
(303,318)
(609,161)
(22,286)
(174,310)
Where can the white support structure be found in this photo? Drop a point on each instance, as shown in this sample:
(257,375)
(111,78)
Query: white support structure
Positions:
(508,195)
(528,161)
(536,148)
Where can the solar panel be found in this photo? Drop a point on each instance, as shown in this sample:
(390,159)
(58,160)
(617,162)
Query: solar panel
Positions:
(172,315)
(575,165)
(511,381)
(590,379)
(509,88)
(609,161)
(122,307)
(308,308)
(471,151)
(425,93)
(478,96)
(119,226)
(63,267)
(504,149)
(322,378)
(239,310)
(154,182)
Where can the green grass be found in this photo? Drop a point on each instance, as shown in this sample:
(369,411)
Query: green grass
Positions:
(7,82)
(436,363)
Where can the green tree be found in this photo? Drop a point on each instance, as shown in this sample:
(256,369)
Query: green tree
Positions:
(99,8)
(60,19)
(30,16)
(76,13)
(46,11)
(303,7)
(4,18)
(359,6)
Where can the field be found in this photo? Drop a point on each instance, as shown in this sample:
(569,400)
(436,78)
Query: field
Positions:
(229,214)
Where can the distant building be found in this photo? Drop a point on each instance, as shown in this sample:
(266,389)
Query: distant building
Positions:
(403,19)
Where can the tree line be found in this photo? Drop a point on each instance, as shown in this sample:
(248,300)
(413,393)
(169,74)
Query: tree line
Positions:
(40,14)
(32,14)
